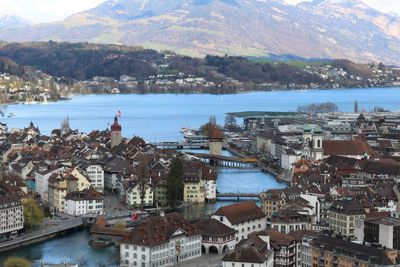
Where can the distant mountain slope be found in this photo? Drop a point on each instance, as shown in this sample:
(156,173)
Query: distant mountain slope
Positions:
(13,21)
(321,29)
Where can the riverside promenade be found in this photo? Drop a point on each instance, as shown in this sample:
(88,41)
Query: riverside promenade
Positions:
(50,229)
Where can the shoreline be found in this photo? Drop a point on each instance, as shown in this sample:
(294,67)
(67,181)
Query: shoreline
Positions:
(240,92)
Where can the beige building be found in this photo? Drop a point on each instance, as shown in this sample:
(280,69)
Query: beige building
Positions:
(62,183)
(193,190)
(272,201)
(342,217)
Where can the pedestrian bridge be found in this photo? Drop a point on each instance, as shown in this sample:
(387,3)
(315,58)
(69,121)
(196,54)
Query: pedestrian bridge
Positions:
(238,195)
(226,161)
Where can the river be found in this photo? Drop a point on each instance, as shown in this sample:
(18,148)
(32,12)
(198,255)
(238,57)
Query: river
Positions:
(158,118)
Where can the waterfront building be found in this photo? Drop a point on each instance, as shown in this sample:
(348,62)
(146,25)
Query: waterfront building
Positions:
(272,201)
(193,189)
(330,252)
(11,214)
(116,135)
(342,216)
(165,240)
(216,138)
(86,202)
(216,236)
(244,217)
(210,187)
(134,193)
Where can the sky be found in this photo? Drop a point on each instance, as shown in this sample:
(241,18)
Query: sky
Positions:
(53,10)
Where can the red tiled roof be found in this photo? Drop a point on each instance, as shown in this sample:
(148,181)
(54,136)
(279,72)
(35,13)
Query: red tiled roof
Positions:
(157,230)
(241,212)
(346,147)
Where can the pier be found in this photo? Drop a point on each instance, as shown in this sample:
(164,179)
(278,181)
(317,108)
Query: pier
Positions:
(237,195)
(45,233)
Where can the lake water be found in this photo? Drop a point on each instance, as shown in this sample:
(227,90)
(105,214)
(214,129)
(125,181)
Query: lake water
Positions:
(159,118)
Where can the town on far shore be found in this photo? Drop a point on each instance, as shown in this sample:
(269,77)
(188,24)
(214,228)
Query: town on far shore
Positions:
(339,206)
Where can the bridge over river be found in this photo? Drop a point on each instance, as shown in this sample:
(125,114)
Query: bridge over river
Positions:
(226,161)
(237,195)
(52,229)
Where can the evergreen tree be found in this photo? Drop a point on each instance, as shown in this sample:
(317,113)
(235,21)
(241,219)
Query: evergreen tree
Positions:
(175,183)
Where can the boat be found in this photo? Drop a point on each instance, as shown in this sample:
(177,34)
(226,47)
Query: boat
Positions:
(44,102)
(10,115)
(101,242)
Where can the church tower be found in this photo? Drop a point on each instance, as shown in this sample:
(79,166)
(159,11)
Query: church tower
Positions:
(317,138)
(115,133)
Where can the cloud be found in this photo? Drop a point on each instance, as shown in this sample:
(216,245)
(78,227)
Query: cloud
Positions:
(385,5)
(51,10)
(45,10)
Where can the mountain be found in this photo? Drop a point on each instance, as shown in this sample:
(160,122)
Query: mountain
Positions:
(13,21)
(318,29)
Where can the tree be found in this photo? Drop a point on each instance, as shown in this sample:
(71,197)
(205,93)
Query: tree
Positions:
(17,262)
(356,106)
(230,120)
(33,215)
(318,108)
(143,178)
(206,128)
(379,109)
(175,183)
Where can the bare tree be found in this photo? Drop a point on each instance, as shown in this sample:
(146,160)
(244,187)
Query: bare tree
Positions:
(143,178)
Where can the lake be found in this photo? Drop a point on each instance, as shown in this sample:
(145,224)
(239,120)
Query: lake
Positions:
(158,117)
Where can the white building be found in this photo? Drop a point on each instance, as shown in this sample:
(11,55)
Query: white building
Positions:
(210,188)
(95,174)
(85,202)
(256,251)
(244,217)
(161,241)
(42,176)
(11,214)
(133,194)
(217,237)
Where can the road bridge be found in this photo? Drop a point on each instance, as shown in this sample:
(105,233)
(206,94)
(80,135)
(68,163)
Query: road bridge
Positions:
(52,229)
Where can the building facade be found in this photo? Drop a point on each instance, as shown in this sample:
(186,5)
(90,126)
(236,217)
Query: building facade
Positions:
(11,214)
(161,241)
(244,217)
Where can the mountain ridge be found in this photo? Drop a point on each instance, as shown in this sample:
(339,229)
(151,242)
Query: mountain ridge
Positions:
(321,29)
